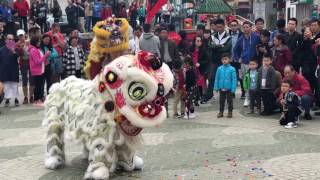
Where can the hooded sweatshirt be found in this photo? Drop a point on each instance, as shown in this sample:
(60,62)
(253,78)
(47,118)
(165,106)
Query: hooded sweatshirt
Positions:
(245,48)
(150,43)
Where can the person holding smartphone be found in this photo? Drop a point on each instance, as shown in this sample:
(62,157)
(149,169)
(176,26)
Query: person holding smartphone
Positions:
(38,61)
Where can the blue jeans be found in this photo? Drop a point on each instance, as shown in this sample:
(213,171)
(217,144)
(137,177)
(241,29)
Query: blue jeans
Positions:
(306,103)
(57,65)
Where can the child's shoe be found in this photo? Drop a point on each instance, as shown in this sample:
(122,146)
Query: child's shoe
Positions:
(251,111)
(1,97)
(7,103)
(220,115)
(290,125)
(246,102)
(259,111)
(176,115)
(192,116)
(31,100)
(25,100)
(38,103)
(229,115)
(196,103)
(16,102)
(243,95)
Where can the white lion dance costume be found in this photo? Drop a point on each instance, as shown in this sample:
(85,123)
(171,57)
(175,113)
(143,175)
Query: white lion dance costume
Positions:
(107,114)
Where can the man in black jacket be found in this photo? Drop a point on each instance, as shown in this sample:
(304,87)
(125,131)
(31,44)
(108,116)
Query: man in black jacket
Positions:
(221,44)
(168,49)
(309,61)
(72,14)
(295,40)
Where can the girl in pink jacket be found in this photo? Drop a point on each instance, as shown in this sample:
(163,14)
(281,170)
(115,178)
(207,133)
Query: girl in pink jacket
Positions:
(37,62)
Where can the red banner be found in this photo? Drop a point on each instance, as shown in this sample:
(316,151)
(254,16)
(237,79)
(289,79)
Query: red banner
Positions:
(153,6)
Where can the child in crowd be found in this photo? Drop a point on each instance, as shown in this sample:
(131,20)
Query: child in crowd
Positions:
(267,84)
(32,24)
(250,85)
(226,84)
(178,88)
(290,105)
(190,87)
(74,59)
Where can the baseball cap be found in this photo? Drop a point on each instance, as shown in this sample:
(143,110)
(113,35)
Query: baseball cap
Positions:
(20,32)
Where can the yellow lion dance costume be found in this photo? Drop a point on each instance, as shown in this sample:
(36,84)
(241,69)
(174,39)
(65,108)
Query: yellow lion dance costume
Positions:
(109,42)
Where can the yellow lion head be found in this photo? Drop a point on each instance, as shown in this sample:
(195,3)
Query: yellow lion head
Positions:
(111,35)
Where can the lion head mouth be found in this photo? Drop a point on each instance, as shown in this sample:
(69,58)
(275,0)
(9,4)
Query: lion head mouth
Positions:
(128,128)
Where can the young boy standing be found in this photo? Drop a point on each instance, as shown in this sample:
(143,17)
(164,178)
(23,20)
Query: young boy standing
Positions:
(226,84)
(267,84)
(250,85)
(179,84)
(291,106)
(190,94)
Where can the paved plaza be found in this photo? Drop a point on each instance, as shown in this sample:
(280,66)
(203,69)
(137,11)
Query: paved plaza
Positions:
(207,148)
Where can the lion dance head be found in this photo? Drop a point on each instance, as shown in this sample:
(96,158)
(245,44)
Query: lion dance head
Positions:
(138,85)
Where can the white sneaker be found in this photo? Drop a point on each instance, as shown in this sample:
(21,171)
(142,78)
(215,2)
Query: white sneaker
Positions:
(298,120)
(186,116)
(290,125)
(246,102)
(192,115)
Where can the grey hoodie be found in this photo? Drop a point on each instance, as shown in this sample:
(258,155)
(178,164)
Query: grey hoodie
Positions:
(150,43)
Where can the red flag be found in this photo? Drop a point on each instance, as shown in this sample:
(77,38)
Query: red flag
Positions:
(153,6)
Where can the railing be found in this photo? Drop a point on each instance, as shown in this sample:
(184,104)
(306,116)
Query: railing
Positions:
(242,19)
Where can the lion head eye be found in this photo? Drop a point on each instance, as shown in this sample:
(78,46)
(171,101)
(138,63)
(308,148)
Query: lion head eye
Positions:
(137,91)
(111,77)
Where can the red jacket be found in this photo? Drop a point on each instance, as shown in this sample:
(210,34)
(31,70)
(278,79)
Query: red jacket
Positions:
(174,37)
(106,12)
(22,7)
(282,57)
(300,85)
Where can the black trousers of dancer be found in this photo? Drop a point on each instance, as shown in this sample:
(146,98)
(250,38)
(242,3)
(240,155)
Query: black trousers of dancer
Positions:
(226,95)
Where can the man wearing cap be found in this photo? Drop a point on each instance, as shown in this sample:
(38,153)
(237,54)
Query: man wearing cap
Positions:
(27,80)
(58,43)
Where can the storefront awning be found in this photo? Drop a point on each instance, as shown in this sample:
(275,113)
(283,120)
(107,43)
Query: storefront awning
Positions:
(214,7)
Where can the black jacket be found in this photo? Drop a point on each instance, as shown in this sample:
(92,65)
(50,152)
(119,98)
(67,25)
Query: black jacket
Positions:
(172,48)
(9,67)
(270,79)
(219,50)
(203,59)
(190,79)
(308,55)
(294,43)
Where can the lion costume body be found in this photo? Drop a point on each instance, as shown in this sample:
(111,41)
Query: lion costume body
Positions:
(107,114)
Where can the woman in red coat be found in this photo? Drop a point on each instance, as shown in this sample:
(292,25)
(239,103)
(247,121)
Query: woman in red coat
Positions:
(281,53)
